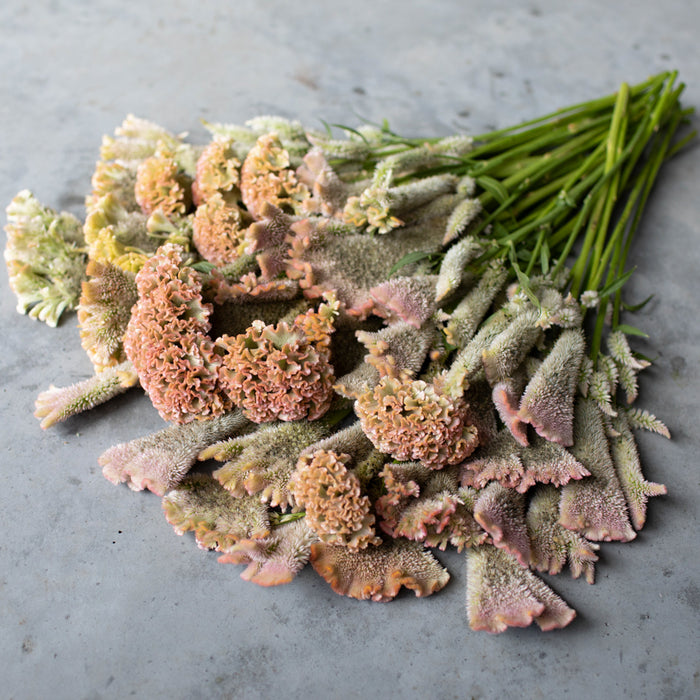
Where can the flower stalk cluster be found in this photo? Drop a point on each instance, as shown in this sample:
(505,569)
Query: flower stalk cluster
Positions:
(387,342)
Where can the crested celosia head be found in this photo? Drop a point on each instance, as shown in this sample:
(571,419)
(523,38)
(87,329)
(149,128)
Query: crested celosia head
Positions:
(371,209)
(276,559)
(410,299)
(116,234)
(116,178)
(267,238)
(281,372)
(378,573)
(44,256)
(263,461)
(336,509)
(160,185)
(218,171)
(167,340)
(425,505)
(548,401)
(501,593)
(218,519)
(219,230)
(413,420)
(329,192)
(267,177)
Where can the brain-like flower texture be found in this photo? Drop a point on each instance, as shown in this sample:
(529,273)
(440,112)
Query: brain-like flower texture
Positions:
(160,185)
(217,171)
(267,178)
(413,420)
(167,341)
(335,507)
(281,372)
(219,230)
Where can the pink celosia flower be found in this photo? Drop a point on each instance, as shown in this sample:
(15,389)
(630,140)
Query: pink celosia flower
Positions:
(276,559)
(281,372)
(267,177)
(594,507)
(501,593)
(413,420)
(219,230)
(159,461)
(263,461)
(336,509)
(378,573)
(218,519)
(551,544)
(424,505)
(160,185)
(501,512)
(167,340)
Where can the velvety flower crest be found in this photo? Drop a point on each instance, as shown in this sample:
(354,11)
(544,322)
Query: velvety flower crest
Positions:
(160,185)
(219,230)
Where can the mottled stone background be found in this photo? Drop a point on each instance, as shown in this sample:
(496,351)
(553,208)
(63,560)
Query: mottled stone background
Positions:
(98,597)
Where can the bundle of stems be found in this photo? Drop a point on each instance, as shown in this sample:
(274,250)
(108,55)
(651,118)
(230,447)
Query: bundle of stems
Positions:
(564,193)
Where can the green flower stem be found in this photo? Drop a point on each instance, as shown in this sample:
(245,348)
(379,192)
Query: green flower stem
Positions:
(660,151)
(653,82)
(608,199)
(557,184)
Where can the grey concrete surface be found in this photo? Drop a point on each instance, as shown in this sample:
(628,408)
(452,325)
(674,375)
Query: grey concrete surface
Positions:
(98,597)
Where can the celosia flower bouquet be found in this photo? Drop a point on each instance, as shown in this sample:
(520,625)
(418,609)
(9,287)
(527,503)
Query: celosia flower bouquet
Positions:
(384,344)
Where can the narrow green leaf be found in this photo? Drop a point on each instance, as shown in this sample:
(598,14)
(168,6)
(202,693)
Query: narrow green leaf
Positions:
(350,130)
(523,278)
(203,266)
(415,256)
(637,307)
(631,330)
(493,187)
(616,284)
(544,257)
(282,518)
